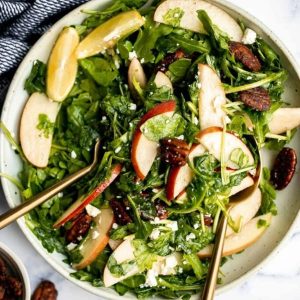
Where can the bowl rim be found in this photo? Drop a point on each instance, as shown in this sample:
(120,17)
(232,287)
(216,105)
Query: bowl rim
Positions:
(28,233)
(21,268)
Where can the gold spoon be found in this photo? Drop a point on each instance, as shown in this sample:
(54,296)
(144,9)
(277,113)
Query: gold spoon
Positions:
(212,275)
(20,210)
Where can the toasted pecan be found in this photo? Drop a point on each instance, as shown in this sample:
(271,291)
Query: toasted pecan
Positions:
(120,213)
(257,98)
(79,228)
(45,291)
(163,65)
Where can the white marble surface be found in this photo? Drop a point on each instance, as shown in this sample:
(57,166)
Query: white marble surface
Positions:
(280,277)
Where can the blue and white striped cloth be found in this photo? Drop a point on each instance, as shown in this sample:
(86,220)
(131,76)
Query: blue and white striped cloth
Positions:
(21,23)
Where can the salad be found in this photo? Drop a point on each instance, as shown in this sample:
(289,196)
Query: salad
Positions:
(182,97)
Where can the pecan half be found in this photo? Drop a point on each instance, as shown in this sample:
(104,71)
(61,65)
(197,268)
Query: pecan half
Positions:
(257,98)
(120,213)
(14,286)
(161,210)
(45,291)
(174,151)
(163,65)
(284,168)
(80,227)
(208,220)
(2,291)
(244,55)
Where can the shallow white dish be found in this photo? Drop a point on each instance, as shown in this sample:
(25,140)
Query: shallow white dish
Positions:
(235,270)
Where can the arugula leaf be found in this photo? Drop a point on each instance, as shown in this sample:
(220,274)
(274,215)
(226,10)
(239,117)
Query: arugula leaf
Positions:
(36,79)
(178,69)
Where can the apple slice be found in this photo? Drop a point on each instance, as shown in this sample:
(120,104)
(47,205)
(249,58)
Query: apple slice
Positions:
(82,202)
(35,142)
(136,74)
(187,17)
(245,183)
(162,80)
(123,253)
(211,139)
(211,98)
(180,177)
(144,151)
(106,35)
(97,238)
(244,210)
(284,119)
(237,242)
(62,65)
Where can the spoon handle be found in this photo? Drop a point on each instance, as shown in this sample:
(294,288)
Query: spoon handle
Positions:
(212,276)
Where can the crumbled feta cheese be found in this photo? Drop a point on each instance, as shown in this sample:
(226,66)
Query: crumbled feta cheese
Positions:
(92,210)
(196,121)
(60,194)
(196,225)
(173,225)
(151,278)
(155,234)
(184,262)
(180,270)
(132,106)
(249,78)
(115,226)
(169,265)
(95,234)
(119,197)
(117,63)
(132,55)
(190,236)
(127,208)
(181,137)
(104,118)
(79,238)
(71,246)
(199,85)
(249,37)
(142,60)
(118,51)
(117,150)
(73,154)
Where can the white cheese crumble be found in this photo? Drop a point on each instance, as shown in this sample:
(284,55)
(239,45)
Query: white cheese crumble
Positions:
(60,194)
(199,85)
(117,64)
(71,246)
(196,121)
(181,137)
(132,106)
(117,150)
(249,37)
(115,226)
(142,60)
(92,210)
(104,118)
(79,238)
(73,154)
(169,265)
(173,225)
(155,234)
(132,55)
(95,234)
(190,236)
(196,225)
(151,278)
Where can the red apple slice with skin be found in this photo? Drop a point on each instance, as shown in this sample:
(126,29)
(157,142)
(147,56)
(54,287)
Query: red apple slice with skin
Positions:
(284,119)
(35,143)
(237,242)
(189,20)
(180,177)
(211,98)
(162,80)
(144,151)
(244,210)
(82,202)
(97,238)
(62,65)
(136,74)
(211,139)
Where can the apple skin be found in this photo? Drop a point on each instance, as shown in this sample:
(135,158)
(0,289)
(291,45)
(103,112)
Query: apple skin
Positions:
(142,160)
(211,98)
(91,248)
(237,242)
(36,147)
(190,19)
(81,203)
(180,177)
(211,139)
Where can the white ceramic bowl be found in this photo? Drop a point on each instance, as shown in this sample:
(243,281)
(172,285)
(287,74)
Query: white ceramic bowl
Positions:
(236,270)
(18,268)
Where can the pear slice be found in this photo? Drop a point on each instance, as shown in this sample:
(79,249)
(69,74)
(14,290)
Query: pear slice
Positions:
(36,143)
(62,65)
(162,80)
(284,119)
(136,74)
(106,35)
(237,242)
(211,98)
(183,13)
(243,211)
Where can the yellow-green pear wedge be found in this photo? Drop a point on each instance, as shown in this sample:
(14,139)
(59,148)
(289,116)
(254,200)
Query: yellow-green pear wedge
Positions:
(238,242)
(136,75)
(62,65)
(36,128)
(183,13)
(106,35)
(284,119)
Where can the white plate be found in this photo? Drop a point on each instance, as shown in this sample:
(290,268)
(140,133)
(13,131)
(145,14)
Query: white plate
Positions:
(244,264)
